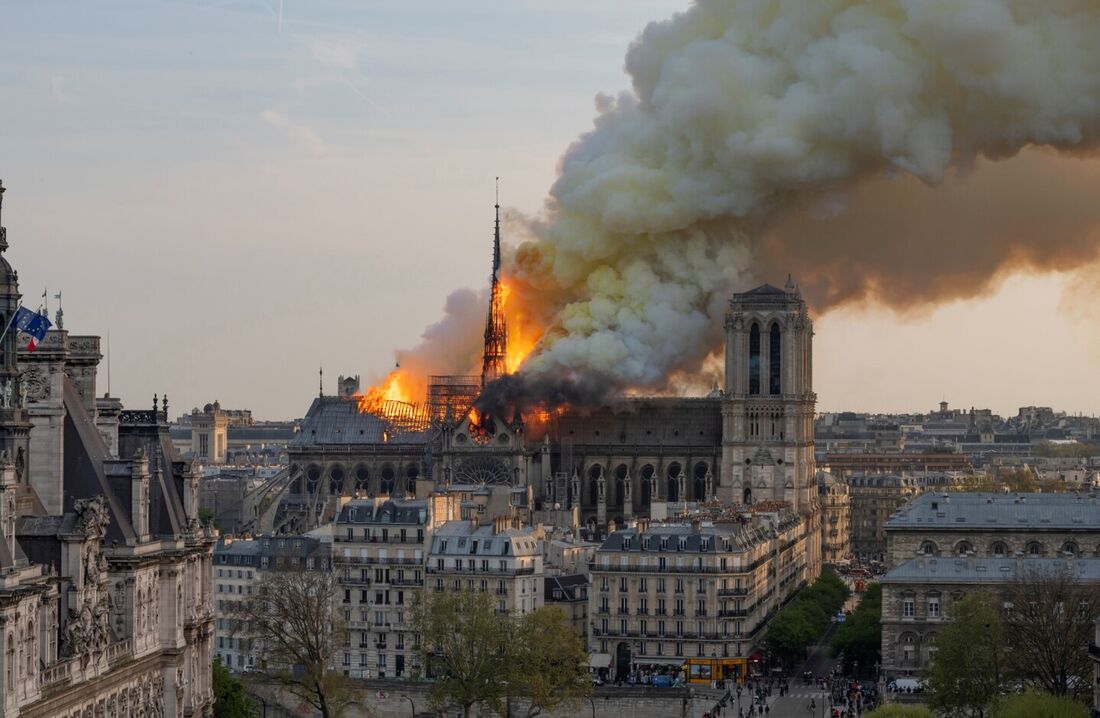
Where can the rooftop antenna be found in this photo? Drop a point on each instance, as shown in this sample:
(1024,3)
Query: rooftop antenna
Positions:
(108,362)
(321,381)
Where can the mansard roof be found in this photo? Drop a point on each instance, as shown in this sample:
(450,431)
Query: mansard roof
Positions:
(983,511)
(765,289)
(384,512)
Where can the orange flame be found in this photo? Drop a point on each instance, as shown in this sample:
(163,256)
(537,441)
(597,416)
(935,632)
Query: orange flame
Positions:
(522,336)
(393,388)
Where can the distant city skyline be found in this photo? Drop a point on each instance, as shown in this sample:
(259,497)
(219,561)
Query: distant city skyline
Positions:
(241,196)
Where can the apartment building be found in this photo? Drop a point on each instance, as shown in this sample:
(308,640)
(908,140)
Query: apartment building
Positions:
(239,565)
(378,552)
(696,595)
(502,558)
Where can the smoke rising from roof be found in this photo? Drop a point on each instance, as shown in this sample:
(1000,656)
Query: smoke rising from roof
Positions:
(761,137)
(745,116)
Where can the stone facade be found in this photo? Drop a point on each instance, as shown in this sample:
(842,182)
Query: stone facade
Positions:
(941,524)
(836,512)
(662,594)
(873,499)
(918,598)
(104,567)
(644,458)
(503,559)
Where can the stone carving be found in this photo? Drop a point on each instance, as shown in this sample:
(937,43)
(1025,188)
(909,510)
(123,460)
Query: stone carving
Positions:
(36,382)
(23,394)
(6,396)
(91,516)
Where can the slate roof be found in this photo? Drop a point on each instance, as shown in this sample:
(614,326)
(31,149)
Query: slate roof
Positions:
(569,584)
(336,420)
(987,570)
(369,512)
(982,511)
(629,540)
(460,537)
(765,289)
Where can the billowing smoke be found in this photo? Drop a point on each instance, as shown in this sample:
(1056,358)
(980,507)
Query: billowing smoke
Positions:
(756,130)
(761,137)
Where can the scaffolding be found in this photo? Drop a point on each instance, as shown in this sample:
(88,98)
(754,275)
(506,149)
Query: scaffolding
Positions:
(404,417)
(454,394)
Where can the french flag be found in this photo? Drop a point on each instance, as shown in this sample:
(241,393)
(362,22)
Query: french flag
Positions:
(33,324)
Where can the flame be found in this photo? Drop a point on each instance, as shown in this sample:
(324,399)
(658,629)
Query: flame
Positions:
(395,387)
(522,334)
(482,426)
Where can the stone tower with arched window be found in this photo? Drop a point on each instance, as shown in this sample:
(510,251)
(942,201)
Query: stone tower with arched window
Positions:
(768,407)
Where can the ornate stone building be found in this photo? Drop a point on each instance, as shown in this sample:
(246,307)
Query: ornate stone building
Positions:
(644,457)
(104,568)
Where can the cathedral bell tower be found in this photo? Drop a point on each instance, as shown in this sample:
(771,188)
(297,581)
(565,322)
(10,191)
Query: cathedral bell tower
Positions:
(768,409)
(15,425)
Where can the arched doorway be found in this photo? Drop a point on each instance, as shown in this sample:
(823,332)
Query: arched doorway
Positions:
(622,659)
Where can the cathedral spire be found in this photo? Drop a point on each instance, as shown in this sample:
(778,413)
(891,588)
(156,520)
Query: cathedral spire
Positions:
(494,361)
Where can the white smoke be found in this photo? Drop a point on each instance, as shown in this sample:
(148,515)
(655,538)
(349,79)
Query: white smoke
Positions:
(744,110)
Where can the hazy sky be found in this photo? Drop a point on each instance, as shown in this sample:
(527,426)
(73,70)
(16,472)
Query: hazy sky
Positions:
(241,193)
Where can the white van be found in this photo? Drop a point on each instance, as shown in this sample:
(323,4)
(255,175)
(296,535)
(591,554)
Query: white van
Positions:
(905,685)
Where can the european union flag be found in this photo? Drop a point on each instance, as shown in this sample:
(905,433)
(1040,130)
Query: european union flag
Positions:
(33,324)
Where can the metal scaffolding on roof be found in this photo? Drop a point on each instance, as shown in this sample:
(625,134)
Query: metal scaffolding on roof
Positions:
(453,394)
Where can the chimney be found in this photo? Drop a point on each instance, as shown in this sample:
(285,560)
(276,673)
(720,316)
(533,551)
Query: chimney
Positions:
(641,526)
(474,521)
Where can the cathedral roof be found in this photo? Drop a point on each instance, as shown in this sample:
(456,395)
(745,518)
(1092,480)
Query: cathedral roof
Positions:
(338,420)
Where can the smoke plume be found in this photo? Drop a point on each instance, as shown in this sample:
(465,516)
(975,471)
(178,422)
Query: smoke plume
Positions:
(749,123)
(761,137)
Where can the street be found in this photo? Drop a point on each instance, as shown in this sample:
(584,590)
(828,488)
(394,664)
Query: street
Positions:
(798,701)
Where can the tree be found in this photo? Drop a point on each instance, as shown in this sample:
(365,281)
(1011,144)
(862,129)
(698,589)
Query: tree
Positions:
(1041,705)
(464,647)
(967,672)
(1049,622)
(548,662)
(292,623)
(896,711)
(859,638)
(230,699)
(806,617)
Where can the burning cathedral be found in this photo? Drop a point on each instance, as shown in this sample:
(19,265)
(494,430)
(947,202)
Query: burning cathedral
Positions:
(750,443)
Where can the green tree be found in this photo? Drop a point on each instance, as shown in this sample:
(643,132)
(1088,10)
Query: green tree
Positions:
(859,638)
(230,699)
(291,623)
(464,648)
(1041,705)
(805,618)
(896,711)
(548,662)
(967,672)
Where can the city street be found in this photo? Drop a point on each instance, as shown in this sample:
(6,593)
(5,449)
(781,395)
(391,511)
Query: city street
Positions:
(802,701)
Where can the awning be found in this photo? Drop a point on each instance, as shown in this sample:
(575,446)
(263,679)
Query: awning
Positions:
(599,660)
(656,660)
(756,656)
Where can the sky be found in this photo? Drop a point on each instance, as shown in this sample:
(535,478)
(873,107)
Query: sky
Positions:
(241,192)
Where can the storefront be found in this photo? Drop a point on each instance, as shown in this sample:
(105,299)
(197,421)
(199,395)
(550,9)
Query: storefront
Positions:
(704,671)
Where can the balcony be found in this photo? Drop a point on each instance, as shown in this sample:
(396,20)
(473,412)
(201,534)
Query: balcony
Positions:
(733,613)
(504,592)
(355,581)
(733,592)
(453,570)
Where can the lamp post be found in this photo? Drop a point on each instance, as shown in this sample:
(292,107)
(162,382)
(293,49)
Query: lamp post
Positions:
(413,705)
(592,703)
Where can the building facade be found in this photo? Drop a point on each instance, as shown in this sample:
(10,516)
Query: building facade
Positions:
(836,513)
(997,525)
(239,566)
(379,552)
(502,558)
(105,569)
(662,594)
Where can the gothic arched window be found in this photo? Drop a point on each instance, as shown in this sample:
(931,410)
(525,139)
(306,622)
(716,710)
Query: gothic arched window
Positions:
(775,360)
(754,359)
